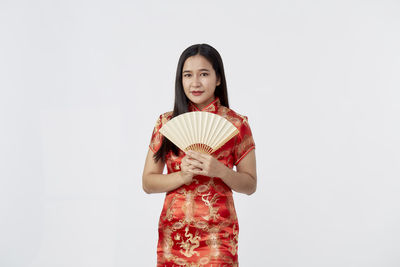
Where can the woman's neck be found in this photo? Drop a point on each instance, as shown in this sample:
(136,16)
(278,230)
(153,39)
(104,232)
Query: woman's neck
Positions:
(203,105)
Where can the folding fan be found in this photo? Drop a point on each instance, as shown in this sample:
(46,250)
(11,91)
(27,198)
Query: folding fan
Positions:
(200,131)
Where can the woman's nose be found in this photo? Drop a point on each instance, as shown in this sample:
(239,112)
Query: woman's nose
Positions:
(196,79)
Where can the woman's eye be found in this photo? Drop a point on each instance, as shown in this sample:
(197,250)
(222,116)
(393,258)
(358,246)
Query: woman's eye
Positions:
(188,75)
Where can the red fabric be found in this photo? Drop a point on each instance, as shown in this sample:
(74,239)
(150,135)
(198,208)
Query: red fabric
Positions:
(198,224)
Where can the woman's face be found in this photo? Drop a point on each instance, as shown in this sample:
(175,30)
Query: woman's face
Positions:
(199,80)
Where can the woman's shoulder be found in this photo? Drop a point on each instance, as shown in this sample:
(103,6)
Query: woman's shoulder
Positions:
(236,118)
(166,116)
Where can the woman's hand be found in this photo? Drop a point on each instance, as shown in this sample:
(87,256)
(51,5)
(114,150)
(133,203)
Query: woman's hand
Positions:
(203,164)
(186,170)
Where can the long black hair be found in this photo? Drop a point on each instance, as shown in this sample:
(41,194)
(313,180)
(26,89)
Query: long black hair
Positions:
(181,100)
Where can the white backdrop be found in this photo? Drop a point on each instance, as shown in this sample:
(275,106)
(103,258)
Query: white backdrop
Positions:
(83,82)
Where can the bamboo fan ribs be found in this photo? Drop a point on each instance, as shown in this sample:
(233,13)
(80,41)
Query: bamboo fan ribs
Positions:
(199,131)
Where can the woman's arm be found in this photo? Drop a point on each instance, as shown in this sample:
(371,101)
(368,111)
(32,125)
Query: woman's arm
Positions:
(243,180)
(154,181)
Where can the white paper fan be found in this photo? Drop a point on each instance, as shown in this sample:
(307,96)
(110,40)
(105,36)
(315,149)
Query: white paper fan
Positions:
(200,131)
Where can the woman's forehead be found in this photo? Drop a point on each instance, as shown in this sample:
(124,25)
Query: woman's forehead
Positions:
(197,63)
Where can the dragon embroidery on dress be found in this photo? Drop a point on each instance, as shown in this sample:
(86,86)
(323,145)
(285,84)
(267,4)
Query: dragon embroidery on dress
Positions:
(210,204)
(189,206)
(213,241)
(168,243)
(190,244)
(170,210)
(234,241)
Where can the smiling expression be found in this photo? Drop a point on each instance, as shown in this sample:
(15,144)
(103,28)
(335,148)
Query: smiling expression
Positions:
(199,80)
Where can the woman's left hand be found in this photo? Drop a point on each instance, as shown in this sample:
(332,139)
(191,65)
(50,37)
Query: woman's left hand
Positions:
(207,165)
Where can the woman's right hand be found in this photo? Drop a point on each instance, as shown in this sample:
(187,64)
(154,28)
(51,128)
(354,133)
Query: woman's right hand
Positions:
(186,167)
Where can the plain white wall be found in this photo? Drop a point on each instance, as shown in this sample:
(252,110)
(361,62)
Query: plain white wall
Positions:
(82,84)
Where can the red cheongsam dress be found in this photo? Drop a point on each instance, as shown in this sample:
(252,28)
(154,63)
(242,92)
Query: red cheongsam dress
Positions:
(198,224)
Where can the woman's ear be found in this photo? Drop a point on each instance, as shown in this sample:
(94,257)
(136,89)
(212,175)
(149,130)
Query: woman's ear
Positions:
(218,81)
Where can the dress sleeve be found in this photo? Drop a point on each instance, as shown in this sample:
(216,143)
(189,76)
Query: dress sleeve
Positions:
(156,136)
(244,142)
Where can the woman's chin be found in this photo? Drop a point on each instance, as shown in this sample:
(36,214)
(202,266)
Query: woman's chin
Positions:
(197,99)
(201,99)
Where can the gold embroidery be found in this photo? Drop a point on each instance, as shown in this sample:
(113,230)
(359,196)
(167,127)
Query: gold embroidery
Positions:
(234,241)
(180,261)
(204,260)
(244,145)
(201,225)
(202,188)
(170,210)
(212,107)
(213,241)
(177,167)
(223,154)
(223,111)
(166,117)
(168,243)
(189,206)
(245,120)
(211,183)
(177,225)
(231,208)
(209,203)
(190,244)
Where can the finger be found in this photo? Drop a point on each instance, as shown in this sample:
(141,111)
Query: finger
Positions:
(197,171)
(195,155)
(202,156)
(190,158)
(186,160)
(196,163)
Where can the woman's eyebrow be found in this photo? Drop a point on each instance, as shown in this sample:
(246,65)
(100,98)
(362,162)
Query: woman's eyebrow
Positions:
(199,70)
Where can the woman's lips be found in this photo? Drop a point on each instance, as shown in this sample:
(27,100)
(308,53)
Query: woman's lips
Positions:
(197,93)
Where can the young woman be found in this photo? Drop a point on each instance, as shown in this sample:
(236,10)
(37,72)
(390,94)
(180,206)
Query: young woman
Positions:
(198,224)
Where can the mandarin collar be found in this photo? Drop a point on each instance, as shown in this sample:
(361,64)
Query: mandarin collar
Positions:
(212,107)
